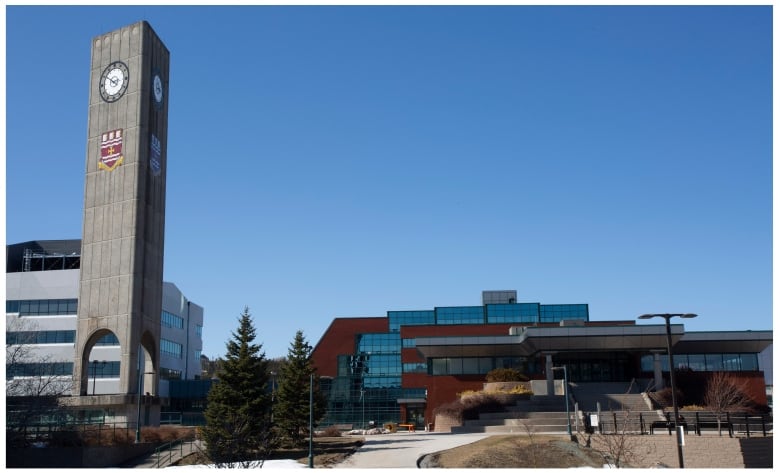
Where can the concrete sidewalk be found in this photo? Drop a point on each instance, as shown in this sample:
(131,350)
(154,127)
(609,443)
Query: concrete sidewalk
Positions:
(403,449)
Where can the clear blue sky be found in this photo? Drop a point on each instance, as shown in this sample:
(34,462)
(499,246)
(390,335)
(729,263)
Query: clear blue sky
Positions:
(344,161)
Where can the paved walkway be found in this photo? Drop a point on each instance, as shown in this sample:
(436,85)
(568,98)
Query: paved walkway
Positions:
(403,449)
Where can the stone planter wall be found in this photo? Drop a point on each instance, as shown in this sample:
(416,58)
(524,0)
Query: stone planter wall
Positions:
(505,386)
(445,423)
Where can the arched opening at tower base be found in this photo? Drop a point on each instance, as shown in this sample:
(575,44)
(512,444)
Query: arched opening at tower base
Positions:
(117,383)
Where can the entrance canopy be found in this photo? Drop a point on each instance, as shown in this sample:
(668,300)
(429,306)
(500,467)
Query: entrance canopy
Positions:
(528,341)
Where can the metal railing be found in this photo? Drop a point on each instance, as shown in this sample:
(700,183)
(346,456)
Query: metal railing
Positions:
(72,433)
(621,422)
(166,454)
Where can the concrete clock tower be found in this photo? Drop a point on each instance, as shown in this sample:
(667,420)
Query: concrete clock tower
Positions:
(124,210)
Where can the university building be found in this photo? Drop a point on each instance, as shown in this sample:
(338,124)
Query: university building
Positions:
(42,298)
(399,368)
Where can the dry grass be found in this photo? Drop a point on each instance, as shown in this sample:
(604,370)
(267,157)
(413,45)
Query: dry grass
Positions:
(518,451)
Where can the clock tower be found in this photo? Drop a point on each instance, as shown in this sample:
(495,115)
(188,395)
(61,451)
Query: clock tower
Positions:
(120,293)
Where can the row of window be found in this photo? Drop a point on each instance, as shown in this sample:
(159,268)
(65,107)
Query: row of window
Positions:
(42,307)
(706,362)
(40,337)
(64,368)
(379,343)
(170,320)
(96,369)
(103,369)
(70,307)
(170,348)
(528,312)
(480,365)
(415,368)
(450,366)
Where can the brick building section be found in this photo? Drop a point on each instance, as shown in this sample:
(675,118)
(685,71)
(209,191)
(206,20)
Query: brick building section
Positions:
(339,339)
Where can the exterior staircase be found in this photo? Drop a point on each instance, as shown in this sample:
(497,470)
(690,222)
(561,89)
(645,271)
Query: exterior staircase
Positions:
(537,415)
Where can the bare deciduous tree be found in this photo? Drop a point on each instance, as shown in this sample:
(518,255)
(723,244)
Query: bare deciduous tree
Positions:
(621,447)
(726,393)
(34,382)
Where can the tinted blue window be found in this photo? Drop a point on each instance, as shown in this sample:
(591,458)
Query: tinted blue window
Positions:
(396,318)
(43,307)
(558,312)
(460,315)
(512,313)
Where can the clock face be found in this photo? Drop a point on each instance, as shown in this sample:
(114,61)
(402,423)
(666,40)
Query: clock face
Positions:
(114,81)
(157,89)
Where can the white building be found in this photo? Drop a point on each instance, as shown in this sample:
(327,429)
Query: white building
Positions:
(42,287)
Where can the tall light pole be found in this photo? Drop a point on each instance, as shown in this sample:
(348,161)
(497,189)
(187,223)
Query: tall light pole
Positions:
(566,395)
(140,387)
(311,420)
(273,394)
(666,318)
(94,373)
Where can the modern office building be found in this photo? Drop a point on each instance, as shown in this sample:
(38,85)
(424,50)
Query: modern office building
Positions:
(42,289)
(399,368)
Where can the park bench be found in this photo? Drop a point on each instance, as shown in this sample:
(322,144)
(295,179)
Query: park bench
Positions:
(662,424)
(409,427)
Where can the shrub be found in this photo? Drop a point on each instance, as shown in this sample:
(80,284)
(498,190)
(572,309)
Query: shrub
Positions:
(693,407)
(330,431)
(470,404)
(504,375)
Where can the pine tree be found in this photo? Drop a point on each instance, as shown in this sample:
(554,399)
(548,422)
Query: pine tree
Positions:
(291,409)
(238,428)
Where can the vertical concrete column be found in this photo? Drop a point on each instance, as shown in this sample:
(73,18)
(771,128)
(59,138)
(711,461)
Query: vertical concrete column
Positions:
(548,369)
(657,372)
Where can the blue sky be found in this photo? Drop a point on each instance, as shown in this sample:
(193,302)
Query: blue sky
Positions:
(344,161)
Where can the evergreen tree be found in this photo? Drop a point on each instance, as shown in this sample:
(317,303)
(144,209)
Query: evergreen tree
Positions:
(238,428)
(291,408)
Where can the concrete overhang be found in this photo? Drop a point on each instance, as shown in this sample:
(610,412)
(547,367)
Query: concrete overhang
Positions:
(750,341)
(532,340)
(414,400)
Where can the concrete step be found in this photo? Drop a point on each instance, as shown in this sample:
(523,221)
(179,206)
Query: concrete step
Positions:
(516,422)
(513,429)
(521,415)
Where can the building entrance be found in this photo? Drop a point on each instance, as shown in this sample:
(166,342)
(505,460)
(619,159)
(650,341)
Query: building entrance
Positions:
(415,414)
(604,368)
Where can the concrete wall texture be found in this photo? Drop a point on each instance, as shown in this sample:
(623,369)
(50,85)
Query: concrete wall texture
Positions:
(124,210)
(708,451)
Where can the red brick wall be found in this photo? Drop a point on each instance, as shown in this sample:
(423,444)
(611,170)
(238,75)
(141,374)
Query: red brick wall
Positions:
(339,339)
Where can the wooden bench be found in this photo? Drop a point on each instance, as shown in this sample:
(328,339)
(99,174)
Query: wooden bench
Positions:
(409,427)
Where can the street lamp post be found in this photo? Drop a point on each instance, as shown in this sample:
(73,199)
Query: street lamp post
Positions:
(94,373)
(566,395)
(140,387)
(273,394)
(666,318)
(311,420)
